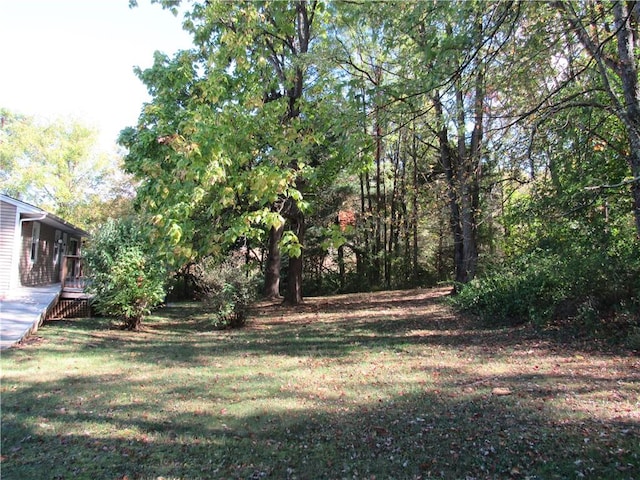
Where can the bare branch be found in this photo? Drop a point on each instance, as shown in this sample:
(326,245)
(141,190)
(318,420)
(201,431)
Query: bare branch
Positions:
(623,183)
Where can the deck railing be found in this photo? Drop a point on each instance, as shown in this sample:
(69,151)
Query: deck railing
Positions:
(72,272)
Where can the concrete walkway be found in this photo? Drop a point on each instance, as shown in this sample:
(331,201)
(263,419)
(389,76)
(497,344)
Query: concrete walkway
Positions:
(23,310)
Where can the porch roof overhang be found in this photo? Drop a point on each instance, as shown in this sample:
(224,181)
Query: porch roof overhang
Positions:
(31,213)
(53,221)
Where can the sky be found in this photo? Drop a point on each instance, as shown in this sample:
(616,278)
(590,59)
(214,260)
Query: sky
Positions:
(74,59)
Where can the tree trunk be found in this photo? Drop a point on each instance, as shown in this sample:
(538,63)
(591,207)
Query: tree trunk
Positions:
(466,270)
(272,269)
(380,220)
(133,323)
(293,295)
(341,268)
(377,244)
(634,160)
(369,234)
(447,162)
(296,45)
(628,43)
(414,211)
(362,259)
(471,182)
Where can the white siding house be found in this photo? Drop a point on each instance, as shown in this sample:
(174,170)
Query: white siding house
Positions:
(32,243)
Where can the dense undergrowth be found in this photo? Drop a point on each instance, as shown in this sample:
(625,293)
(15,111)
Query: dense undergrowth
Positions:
(584,284)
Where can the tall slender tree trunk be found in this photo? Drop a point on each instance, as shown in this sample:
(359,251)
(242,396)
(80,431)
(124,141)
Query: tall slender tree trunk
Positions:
(370,232)
(379,244)
(447,162)
(378,214)
(634,160)
(628,37)
(414,211)
(362,258)
(393,228)
(341,268)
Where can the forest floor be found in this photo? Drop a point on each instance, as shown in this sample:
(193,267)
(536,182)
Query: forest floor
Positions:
(382,385)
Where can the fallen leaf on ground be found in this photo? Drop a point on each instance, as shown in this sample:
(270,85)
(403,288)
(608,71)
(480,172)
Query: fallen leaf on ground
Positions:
(501,391)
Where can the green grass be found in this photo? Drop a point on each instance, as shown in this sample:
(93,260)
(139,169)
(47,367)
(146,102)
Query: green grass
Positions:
(388,385)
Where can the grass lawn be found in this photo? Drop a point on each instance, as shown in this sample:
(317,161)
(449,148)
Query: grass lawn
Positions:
(386,385)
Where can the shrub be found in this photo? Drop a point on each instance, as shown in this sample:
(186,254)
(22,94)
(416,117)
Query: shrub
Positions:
(128,282)
(592,288)
(228,288)
(526,290)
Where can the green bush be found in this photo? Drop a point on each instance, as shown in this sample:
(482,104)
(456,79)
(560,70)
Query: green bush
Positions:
(527,290)
(592,287)
(128,282)
(228,288)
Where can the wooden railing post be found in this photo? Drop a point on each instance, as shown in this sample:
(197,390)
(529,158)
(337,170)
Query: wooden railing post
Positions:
(63,271)
(72,272)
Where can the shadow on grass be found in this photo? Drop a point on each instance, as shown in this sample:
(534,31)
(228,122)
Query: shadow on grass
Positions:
(326,326)
(93,427)
(184,401)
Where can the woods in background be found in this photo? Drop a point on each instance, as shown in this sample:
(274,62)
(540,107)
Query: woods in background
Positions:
(344,146)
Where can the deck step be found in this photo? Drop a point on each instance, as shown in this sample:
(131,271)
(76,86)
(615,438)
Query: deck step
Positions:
(72,294)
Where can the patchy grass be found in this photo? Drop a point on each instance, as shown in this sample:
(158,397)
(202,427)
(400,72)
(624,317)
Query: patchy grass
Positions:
(386,385)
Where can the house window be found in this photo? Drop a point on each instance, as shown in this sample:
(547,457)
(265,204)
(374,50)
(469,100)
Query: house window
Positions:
(57,247)
(35,240)
(65,239)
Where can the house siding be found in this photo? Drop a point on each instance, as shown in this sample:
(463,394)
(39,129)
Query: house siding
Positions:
(17,220)
(42,271)
(7,238)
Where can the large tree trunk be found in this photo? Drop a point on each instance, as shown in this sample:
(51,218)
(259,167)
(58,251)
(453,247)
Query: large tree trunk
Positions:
(447,162)
(628,43)
(272,269)
(471,183)
(466,270)
(300,46)
(293,295)
(462,170)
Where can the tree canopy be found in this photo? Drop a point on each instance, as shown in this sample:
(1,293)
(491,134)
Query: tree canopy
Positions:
(356,145)
(55,165)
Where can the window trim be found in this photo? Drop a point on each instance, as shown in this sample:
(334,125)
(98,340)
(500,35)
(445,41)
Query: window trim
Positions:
(57,247)
(35,242)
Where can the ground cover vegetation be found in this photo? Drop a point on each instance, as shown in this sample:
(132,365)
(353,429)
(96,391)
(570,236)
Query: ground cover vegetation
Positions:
(378,385)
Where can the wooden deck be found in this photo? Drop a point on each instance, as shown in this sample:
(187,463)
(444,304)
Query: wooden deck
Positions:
(70,308)
(74,301)
(22,311)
